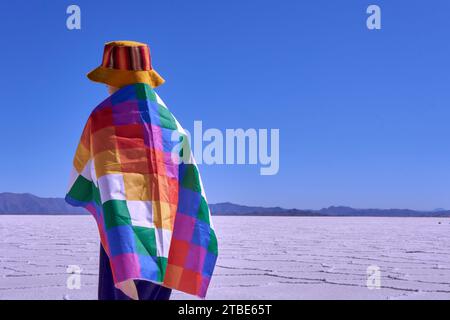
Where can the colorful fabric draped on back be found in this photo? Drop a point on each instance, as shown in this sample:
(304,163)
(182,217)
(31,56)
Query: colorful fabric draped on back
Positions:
(134,172)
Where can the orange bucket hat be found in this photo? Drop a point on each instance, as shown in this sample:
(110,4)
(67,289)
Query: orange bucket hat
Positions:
(124,63)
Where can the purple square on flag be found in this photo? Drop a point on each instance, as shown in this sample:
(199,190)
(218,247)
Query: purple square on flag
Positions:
(153,136)
(195,258)
(171,161)
(126,267)
(184,227)
(126,113)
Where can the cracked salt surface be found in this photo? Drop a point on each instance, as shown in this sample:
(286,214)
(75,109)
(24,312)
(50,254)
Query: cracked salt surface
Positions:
(260,257)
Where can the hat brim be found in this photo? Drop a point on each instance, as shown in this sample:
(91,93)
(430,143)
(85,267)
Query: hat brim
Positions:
(121,78)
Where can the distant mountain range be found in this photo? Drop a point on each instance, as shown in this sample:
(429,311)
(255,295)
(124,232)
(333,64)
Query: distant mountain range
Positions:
(25,203)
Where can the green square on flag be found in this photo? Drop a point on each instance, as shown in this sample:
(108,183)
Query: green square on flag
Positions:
(81,189)
(116,213)
(166,118)
(190,178)
(145,240)
(144,92)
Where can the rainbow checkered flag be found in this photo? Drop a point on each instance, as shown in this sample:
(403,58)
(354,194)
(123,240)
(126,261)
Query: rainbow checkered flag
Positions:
(134,172)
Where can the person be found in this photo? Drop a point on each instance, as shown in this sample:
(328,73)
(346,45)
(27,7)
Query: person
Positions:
(142,187)
(106,290)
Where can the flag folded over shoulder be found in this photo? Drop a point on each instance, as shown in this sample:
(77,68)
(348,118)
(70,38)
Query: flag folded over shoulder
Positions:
(135,173)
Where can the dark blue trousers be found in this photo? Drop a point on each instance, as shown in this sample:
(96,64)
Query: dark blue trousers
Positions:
(107,291)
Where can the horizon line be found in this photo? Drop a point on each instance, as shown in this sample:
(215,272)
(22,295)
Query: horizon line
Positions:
(437,209)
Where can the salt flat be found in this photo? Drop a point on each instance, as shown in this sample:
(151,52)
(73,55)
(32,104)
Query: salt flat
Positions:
(260,257)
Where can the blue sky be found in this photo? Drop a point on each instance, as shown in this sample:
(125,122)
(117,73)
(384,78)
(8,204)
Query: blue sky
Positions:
(363,115)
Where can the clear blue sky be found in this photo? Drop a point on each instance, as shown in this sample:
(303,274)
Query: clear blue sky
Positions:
(363,115)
